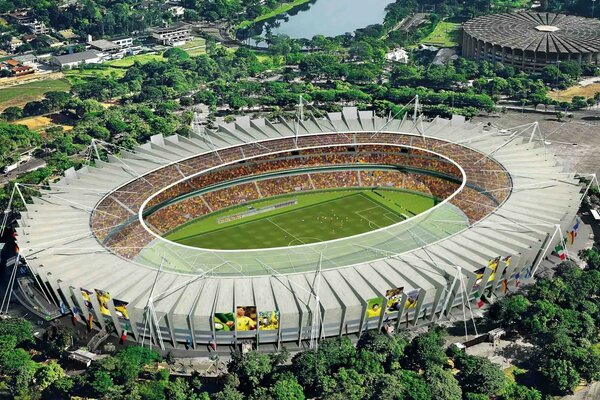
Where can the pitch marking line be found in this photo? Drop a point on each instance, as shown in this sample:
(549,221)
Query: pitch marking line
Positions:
(286,231)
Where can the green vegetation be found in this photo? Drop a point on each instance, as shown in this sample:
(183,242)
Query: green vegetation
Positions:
(19,95)
(561,317)
(281,9)
(114,68)
(317,217)
(445,34)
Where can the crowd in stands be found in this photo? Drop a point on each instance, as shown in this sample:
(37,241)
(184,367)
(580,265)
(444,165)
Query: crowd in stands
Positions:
(177,214)
(427,176)
(286,184)
(231,196)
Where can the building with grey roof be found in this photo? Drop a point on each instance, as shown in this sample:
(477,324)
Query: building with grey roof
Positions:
(88,239)
(531,40)
(76,59)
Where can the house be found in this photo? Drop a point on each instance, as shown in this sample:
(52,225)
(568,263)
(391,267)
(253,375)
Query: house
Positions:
(398,55)
(83,357)
(176,11)
(35,26)
(22,70)
(123,42)
(68,35)
(75,59)
(103,45)
(173,35)
(15,43)
(16,68)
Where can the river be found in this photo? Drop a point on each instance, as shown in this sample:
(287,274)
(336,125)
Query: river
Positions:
(325,17)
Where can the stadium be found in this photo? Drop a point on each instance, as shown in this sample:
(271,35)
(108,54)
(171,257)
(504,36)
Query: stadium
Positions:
(283,233)
(530,40)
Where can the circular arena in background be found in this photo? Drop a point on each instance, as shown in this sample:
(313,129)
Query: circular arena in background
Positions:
(284,233)
(531,40)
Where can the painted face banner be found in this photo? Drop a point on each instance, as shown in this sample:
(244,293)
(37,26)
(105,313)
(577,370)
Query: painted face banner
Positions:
(393,297)
(224,321)
(103,299)
(479,276)
(411,299)
(374,307)
(87,299)
(268,320)
(121,309)
(493,265)
(246,318)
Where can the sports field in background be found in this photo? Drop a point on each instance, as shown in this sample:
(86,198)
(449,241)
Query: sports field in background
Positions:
(317,216)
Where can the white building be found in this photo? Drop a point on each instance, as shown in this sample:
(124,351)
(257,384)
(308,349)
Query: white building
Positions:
(173,35)
(398,55)
(76,59)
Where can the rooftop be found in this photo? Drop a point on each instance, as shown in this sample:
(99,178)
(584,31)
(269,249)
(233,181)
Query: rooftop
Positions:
(77,57)
(537,31)
(104,45)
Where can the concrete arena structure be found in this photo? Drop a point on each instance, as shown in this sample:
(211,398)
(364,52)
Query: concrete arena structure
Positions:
(530,40)
(313,296)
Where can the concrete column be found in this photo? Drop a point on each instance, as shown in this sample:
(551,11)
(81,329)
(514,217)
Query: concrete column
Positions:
(503,50)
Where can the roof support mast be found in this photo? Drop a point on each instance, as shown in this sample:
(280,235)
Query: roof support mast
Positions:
(299,118)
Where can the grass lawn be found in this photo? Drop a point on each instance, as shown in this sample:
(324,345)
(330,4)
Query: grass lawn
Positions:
(283,8)
(129,61)
(116,67)
(317,216)
(445,34)
(577,90)
(194,47)
(19,95)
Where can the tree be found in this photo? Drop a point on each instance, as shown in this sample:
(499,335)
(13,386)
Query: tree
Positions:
(479,375)
(229,393)
(131,360)
(48,374)
(176,54)
(19,328)
(100,382)
(12,113)
(520,392)
(510,310)
(426,351)
(287,388)
(560,375)
(442,384)
(178,389)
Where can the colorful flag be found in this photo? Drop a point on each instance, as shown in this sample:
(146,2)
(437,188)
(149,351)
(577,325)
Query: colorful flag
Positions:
(75,312)
(482,301)
(507,261)
(63,308)
(528,272)
(213,343)
(573,232)
(504,286)
(123,336)
(572,236)
(561,252)
(517,279)
(90,322)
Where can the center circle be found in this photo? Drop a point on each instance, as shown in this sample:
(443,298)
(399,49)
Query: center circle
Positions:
(547,28)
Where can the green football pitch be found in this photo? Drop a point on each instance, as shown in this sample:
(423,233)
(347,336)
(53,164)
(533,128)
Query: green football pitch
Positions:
(315,217)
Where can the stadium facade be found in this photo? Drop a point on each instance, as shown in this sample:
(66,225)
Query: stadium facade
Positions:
(531,40)
(94,238)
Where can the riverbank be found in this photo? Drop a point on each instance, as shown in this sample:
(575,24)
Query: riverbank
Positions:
(282,9)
